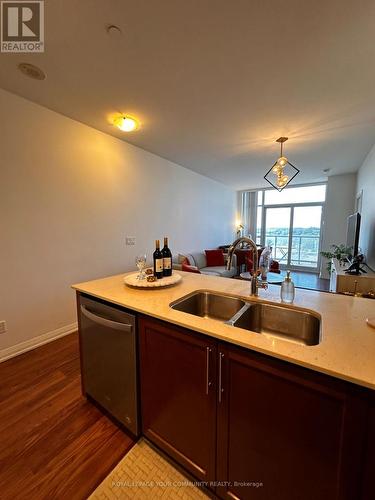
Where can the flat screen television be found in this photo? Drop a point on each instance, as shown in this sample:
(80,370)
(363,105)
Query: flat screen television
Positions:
(352,235)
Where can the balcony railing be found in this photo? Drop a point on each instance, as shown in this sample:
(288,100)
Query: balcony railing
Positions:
(305,249)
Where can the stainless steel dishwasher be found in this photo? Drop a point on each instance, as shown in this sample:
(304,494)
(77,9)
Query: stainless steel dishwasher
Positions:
(109,359)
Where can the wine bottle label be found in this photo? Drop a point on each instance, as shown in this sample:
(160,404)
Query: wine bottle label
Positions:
(167,263)
(158,265)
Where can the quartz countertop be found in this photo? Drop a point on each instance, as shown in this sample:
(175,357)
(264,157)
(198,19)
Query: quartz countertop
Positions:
(346,350)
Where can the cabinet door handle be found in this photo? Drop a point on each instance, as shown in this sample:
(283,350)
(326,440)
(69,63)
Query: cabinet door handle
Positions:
(221,390)
(208,383)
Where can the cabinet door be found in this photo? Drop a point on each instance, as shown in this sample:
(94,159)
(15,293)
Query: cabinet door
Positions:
(368,492)
(293,433)
(178,394)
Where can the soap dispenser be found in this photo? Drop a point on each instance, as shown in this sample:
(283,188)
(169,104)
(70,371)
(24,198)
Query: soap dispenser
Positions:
(287,289)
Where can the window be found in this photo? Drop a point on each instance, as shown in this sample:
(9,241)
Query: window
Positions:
(303,194)
(290,222)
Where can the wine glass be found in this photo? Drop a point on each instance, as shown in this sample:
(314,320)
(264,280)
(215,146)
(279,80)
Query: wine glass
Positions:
(140,260)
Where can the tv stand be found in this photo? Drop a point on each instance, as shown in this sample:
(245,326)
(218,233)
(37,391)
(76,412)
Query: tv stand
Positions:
(343,281)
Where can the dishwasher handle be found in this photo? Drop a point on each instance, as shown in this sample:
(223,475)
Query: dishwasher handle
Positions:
(126,327)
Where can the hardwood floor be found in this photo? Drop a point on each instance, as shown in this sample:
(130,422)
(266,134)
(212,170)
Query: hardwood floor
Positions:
(301,279)
(310,281)
(53,443)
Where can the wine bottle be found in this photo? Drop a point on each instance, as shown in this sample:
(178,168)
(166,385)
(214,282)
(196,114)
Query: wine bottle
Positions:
(158,261)
(167,259)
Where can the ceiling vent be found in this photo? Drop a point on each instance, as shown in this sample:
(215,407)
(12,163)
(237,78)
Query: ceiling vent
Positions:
(32,71)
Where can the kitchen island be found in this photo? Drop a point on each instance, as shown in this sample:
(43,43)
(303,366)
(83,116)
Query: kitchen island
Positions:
(346,350)
(236,406)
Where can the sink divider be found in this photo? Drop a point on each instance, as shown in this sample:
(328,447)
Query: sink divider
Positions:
(238,314)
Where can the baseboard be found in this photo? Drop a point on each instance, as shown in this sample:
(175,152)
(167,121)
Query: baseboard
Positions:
(28,345)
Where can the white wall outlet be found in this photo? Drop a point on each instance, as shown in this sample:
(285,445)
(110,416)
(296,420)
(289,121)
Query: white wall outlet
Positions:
(3,327)
(130,240)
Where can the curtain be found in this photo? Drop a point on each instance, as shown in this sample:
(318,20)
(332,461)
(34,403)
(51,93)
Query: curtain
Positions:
(249,213)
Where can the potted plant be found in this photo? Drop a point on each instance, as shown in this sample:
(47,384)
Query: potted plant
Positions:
(339,252)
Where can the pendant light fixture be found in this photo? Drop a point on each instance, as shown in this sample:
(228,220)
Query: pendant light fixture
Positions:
(282,171)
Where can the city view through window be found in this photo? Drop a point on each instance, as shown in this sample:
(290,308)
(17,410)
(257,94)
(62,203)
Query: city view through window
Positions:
(290,222)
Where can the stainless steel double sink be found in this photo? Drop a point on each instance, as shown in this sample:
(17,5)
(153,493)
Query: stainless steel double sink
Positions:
(272,320)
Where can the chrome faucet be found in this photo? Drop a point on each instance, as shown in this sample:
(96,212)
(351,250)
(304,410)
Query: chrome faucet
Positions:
(254,282)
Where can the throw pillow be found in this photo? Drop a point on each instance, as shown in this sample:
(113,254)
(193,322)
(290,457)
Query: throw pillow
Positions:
(189,269)
(182,258)
(214,258)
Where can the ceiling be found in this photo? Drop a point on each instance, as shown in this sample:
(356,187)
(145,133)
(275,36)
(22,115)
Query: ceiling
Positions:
(215,82)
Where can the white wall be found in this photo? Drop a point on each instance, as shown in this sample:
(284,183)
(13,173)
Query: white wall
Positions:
(340,200)
(366,184)
(68,197)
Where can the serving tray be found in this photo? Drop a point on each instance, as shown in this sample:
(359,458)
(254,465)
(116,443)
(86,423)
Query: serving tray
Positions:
(131,280)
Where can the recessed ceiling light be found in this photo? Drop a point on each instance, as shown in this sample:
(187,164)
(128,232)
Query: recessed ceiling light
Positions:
(126,123)
(32,71)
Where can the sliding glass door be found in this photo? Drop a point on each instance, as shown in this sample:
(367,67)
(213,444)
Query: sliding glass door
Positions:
(277,232)
(306,223)
(294,234)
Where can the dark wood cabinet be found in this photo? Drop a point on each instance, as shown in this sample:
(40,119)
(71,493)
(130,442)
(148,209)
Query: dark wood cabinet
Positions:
(178,394)
(260,427)
(293,433)
(368,483)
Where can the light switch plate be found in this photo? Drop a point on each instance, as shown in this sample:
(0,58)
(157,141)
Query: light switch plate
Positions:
(130,240)
(3,327)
